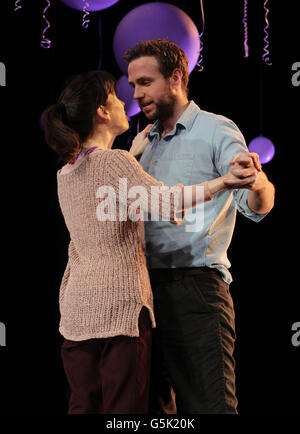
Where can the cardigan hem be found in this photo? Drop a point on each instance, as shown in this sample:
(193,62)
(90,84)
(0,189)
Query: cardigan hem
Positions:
(98,335)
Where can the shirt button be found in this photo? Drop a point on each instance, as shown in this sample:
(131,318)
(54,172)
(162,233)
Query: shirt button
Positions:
(154,163)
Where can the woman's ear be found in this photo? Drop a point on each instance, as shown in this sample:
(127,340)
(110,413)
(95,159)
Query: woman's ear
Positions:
(102,113)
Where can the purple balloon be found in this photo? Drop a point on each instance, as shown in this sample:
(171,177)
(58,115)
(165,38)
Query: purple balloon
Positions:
(156,20)
(125,92)
(263,147)
(94,5)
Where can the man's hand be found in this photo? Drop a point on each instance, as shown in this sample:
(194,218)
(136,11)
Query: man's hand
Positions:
(246,173)
(140,142)
(247,159)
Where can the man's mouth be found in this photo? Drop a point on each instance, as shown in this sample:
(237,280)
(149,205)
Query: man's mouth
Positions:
(145,106)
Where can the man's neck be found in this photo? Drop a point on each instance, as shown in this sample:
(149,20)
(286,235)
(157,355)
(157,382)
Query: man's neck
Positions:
(169,124)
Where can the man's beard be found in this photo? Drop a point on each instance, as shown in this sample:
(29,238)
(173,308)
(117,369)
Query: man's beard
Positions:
(164,108)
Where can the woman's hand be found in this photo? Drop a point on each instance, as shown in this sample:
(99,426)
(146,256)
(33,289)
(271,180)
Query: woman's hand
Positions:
(140,142)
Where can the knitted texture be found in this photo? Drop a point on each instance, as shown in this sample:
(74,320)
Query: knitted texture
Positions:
(106,282)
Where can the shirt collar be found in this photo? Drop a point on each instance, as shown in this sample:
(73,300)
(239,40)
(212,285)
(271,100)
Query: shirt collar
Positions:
(186,120)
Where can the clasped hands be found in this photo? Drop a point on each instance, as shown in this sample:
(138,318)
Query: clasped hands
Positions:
(245,173)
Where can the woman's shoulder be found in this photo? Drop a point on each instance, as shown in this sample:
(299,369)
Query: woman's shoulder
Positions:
(115,162)
(121,153)
(111,154)
(121,156)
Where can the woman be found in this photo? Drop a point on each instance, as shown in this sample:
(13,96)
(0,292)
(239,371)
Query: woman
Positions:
(105,297)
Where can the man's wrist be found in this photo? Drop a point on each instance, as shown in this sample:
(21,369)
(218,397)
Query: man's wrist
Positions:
(261,200)
(261,184)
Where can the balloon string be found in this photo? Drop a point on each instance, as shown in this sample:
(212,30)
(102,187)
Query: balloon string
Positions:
(17,6)
(45,42)
(246,48)
(85,19)
(201,43)
(265,56)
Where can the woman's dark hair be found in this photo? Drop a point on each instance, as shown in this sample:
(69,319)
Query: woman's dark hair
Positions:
(70,122)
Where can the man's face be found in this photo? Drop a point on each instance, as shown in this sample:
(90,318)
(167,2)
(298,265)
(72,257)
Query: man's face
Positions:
(152,90)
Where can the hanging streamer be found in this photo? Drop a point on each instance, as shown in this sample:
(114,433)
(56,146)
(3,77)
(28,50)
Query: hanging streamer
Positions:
(265,57)
(246,48)
(201,43)
(85,19)
(17,6)
(45,42)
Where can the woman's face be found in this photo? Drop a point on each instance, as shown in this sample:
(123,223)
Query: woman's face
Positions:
(118,118)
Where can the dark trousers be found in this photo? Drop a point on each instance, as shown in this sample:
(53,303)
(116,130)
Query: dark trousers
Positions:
(193,343)
(110,375)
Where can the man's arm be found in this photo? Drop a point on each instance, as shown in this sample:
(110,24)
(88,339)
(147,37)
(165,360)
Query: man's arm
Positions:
(247,167)
(261,195)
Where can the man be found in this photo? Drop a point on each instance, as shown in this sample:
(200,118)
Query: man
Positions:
(188,264)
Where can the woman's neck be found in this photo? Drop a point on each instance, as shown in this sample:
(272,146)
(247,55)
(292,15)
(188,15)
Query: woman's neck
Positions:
(103,140)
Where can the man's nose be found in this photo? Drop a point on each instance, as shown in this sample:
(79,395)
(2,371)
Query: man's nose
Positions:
(138,94)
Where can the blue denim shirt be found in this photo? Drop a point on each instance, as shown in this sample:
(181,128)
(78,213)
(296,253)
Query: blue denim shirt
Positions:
(199,148)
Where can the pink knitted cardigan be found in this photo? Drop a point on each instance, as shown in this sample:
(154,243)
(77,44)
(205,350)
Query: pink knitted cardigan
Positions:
(106,282)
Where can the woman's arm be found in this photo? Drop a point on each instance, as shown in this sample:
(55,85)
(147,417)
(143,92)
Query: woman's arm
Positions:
(193,195)
(140,191)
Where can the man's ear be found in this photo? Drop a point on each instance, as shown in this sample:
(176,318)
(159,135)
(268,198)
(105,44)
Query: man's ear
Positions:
(176,78)
(102,113)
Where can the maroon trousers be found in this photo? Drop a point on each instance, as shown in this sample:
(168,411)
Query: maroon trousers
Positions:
(110,375)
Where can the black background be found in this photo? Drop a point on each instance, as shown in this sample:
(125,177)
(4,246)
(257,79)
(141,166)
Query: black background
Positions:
(264,256)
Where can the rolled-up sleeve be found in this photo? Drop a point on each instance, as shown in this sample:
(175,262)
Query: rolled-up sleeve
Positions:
(228,142)
(241,200)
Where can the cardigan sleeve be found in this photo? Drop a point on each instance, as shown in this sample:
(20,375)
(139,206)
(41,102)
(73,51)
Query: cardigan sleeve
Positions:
(139,191)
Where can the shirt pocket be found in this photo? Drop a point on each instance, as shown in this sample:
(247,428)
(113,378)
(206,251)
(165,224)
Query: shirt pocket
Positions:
(173,170)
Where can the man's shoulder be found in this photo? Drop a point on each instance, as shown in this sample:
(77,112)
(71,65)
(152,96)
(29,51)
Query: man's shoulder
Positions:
(211,118)
(209,122)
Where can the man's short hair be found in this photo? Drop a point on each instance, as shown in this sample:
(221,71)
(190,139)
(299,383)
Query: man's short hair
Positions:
(168,55)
